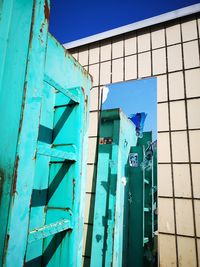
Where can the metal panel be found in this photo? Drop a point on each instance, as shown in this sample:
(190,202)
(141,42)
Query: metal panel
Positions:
(20,102)
(142,221)
(114,148)
(43,171)
(125,199)
(62,139)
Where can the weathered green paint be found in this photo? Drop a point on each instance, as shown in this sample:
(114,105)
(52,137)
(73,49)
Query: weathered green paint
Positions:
(44,98)
(107,238)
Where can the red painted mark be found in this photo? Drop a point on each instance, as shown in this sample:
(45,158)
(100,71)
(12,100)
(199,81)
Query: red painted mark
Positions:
(46,10)
(15,175)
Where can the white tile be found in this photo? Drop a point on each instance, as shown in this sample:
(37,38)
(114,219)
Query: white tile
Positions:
(94,71)
(182,184)
(163,147)
(195,145)
(92,149)
(177,115)
(191,54)
(174,58)
(130,44)
(192,79)
(184,217)
(158,38)
(117,70)
(179,147)
(144,64)
(197,216)
(93,124)
(117,48)
(193,113)
(143,41)
(131,67)
(89,208)
(106,50)
(167,251)
(163,118)
(198,240)
(83,56)
(186,252)
(94,54)
(166,215)
(173,34)
(75,54)
(164,180)
(189,30)
(159,61)
(196,180)
(198,22)
(94,98)
(176,85)
(162,88)
(105,72)
(91,178)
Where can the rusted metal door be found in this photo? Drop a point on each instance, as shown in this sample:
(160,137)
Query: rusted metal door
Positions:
(44,99)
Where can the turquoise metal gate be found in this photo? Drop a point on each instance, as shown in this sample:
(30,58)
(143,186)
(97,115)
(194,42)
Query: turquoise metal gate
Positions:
(143,203)
(44,135)
(125,200)
(117,136)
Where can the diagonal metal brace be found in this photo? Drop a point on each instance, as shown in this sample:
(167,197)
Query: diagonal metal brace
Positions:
(47,230)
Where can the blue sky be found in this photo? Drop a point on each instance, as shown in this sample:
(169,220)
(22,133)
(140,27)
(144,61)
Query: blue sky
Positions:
(72,20)
(133,97)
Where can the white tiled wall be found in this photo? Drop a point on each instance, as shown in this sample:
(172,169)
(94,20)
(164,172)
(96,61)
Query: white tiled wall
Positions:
(170,52)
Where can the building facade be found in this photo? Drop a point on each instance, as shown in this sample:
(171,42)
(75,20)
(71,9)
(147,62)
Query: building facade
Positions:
(168,49)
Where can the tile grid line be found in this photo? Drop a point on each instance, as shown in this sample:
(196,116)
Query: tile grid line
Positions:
(149,76)
(179,235)
(171,156)
(143,52)
(188,145)
(156,75)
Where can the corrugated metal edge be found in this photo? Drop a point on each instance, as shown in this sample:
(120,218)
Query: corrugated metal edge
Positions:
(136,25)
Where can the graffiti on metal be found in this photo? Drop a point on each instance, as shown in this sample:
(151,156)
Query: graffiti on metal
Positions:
(133,160)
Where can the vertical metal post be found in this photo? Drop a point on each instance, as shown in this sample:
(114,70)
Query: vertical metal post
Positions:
(22,75)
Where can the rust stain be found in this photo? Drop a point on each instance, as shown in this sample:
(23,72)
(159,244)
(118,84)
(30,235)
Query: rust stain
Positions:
(6,243)
(23,105)
(15,175)
(83,90)
(30,201)
(69,231)
(2,178)
(32,24)
(42,27)
(73,190)
(46,10)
